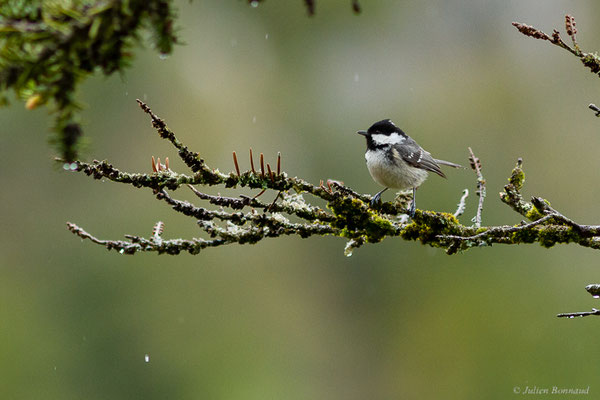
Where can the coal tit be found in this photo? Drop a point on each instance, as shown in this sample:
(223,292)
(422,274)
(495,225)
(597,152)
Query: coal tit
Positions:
(396,161)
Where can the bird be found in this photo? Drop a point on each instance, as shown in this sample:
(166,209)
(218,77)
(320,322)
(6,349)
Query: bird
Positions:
(396,161)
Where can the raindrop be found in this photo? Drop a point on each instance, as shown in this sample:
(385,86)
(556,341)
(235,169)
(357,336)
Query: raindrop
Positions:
(66,166)
(596,296)
(122,251)
(571,316)
(356,77)
(267,36)
(254,3)
(73,166)
(254,119)
(163,56)
(147,358)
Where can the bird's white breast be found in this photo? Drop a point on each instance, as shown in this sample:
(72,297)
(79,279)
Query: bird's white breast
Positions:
(395,175)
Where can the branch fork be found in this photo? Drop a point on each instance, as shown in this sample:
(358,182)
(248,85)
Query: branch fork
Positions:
(248,219)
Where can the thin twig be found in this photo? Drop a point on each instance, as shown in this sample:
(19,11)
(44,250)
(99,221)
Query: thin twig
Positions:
(462,204)
(579,314)
(278,163)
(270,208)
(235,163)
(252,162)
(476,166)
(259,194)
(158,229)
(595,109)
(262,165)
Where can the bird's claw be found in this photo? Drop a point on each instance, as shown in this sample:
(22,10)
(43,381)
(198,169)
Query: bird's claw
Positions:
(376,200)
(412,210)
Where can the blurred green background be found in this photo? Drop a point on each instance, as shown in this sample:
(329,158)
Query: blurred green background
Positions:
(292,318)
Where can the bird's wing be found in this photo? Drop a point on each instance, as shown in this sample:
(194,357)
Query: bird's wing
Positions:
(411,153)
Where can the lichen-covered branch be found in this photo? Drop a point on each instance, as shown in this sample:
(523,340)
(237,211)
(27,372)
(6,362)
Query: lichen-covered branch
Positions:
(248,219)
(476,166)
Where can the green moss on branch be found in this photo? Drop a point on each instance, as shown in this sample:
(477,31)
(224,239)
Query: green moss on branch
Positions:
(348,213)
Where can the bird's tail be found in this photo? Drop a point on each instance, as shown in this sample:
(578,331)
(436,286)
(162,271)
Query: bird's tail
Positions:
(448,163)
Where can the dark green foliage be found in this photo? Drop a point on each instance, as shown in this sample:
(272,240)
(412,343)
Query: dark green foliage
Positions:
(48,47)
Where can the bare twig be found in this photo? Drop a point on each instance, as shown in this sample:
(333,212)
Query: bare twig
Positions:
(259,194)
(262,165)
(252,162)
(278,163)
(595,109)
(579,314)
(235,163)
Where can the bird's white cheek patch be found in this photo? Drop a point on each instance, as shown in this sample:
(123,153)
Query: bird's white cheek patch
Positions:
(393,138)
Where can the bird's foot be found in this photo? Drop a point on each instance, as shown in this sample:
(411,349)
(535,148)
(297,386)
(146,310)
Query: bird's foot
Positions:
(376,200)
(412,210)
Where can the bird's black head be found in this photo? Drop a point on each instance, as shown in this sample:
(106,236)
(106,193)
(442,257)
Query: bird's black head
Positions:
(383,134)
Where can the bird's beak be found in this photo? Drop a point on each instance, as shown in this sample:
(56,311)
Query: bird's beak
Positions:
(364,133)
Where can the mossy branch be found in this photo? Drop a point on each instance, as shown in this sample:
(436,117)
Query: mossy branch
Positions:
(348,214)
